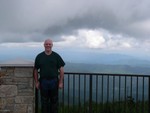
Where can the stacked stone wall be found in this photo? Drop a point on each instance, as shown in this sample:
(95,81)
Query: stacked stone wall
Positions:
(16,90)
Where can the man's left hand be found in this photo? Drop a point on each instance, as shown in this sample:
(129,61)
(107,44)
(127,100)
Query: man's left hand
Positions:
(60,85)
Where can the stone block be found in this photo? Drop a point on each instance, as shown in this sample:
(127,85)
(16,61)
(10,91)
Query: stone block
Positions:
(23,72)
(20,80)
(8,90)
(30,109)
(25,92)
(9,71)
(20,108)
(2,103)
(5,111)
(31,83)
(10,100)
(24,100)
(10,107)
(7,81)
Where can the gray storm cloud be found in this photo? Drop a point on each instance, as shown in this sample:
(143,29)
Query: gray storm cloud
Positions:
(24,20)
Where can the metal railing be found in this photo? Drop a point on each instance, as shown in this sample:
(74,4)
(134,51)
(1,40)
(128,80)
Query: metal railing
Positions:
(103,93)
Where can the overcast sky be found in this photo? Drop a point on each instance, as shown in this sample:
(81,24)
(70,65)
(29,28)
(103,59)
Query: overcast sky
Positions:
(101,25)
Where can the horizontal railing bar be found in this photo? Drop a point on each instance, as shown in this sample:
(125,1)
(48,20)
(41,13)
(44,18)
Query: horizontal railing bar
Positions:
(110,74)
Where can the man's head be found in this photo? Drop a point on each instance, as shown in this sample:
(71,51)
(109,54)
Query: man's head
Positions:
(48,44)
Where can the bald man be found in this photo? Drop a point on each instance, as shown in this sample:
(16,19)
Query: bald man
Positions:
(50,65)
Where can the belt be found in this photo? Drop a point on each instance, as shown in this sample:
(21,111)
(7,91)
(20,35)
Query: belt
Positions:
(52,78)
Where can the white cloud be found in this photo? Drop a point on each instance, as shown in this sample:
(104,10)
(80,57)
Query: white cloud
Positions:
(98,39)
(92,38)
(88,38)
(66,41)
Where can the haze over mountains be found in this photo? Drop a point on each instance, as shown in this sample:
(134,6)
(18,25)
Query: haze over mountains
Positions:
(100,63)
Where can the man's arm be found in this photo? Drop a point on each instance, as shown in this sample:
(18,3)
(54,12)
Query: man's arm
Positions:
(35,74)
(61,77)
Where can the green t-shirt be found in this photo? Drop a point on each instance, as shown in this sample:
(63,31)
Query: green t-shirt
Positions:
(48,64)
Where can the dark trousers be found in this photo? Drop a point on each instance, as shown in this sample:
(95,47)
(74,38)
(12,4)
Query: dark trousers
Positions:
(49,95)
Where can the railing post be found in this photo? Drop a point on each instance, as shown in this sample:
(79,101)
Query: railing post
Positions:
(36,100)
(149,94)
(90,95)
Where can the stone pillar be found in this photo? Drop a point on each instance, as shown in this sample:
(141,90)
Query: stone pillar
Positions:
(17,90)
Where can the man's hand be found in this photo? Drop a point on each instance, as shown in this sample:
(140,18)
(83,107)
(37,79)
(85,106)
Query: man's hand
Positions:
(37,85)
(60,85)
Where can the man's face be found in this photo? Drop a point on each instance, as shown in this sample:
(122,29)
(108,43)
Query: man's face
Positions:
(48,45)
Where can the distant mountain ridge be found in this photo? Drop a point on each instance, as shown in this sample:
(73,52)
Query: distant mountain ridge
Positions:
(106,68)
(97,63)
(107,58)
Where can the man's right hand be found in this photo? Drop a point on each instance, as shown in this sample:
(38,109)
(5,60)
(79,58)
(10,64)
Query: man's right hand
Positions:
(37,85)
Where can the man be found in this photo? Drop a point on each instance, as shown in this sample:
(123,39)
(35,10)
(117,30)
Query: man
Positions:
(50,65)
